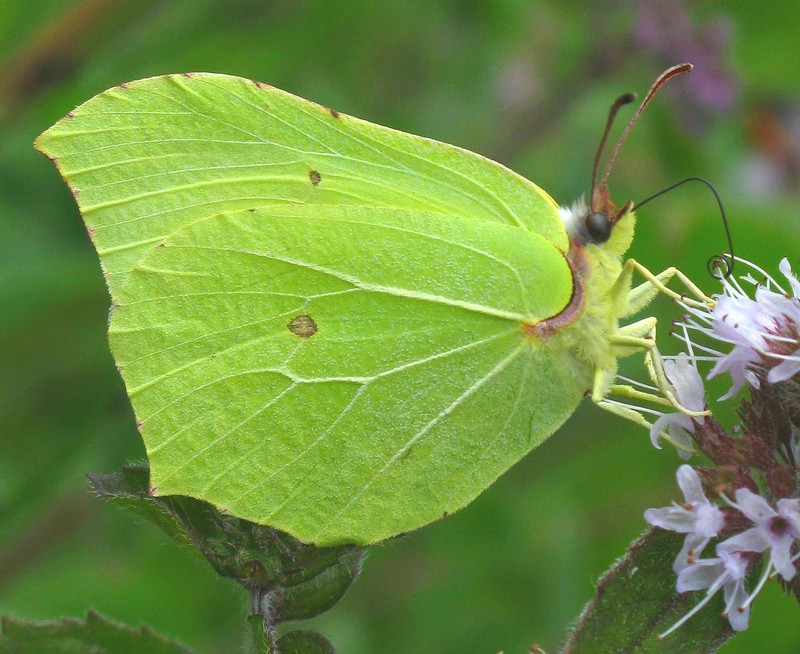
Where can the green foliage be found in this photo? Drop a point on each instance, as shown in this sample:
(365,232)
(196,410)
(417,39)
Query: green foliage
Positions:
(304,642)
(294,642)
(636,601)
(294,580)
(96,634)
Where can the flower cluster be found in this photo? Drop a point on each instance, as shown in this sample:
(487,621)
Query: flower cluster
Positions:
(755,337)
(764,331)
(773,531)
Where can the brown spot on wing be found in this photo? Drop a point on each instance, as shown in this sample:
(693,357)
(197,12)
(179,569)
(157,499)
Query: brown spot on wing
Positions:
(303,326)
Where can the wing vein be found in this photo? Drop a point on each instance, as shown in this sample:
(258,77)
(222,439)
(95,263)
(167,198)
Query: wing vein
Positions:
(473,388)
(377,288)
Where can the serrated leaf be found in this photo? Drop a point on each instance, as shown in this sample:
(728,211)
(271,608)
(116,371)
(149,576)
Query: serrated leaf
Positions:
(294,642)
(636,601)
(95,635)
(302,580)
(322,591)
(130,490)
(304,642)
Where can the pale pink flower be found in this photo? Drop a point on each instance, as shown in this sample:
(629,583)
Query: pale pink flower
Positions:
(687,386)
(727,572)
(698,518)
(774,530)
(763,331)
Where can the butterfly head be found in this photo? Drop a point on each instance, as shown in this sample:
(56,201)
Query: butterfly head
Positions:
(599,224)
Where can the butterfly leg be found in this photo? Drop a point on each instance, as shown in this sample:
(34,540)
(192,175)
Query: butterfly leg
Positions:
(634,411)
(603,387)
(638,336)
(640,296)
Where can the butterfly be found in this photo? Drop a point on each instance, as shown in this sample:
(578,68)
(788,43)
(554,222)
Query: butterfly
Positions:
(334,328)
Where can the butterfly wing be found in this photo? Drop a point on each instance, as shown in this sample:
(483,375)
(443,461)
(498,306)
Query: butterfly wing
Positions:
(344,375)
(145,158)
(323,324)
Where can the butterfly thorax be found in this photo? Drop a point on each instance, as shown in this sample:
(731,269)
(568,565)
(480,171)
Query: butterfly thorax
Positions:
(589,323)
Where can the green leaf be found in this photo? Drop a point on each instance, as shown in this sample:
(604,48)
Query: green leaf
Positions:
(636,601)
(131,490)
(299,581)
(304,642)
(293,642)
(95,635)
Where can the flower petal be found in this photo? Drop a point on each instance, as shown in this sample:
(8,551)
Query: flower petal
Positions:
(735,564)
(737,363)
(658,428)
(671,518)
(752,540)
(782,557)
(786,269)
(786,369)
(692,549)
(700,575)
(683,442)
(686,381)
(755,507)
(735,597)
(789,509)
(689,483)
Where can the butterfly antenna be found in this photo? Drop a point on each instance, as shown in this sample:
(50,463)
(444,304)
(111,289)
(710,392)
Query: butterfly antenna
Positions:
(720,265)
(620,102)
(667,75)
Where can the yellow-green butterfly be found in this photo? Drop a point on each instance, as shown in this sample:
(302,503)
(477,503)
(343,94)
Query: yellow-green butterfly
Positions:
(334,328)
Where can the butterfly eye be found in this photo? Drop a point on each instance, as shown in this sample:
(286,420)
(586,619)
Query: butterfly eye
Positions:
(598,227)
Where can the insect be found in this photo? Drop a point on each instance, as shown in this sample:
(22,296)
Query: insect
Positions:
(334,328)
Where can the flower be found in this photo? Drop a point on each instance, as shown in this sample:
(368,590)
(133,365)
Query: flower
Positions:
(763,330)
(788,307)
(774,530)
(727,571)
(698,518)
(735,320)
(687,386)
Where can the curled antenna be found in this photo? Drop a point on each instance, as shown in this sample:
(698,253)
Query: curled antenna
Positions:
(620,102)
(720,265)
(667,75)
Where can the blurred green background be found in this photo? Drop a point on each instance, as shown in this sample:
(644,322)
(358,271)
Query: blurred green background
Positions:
(527,83)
